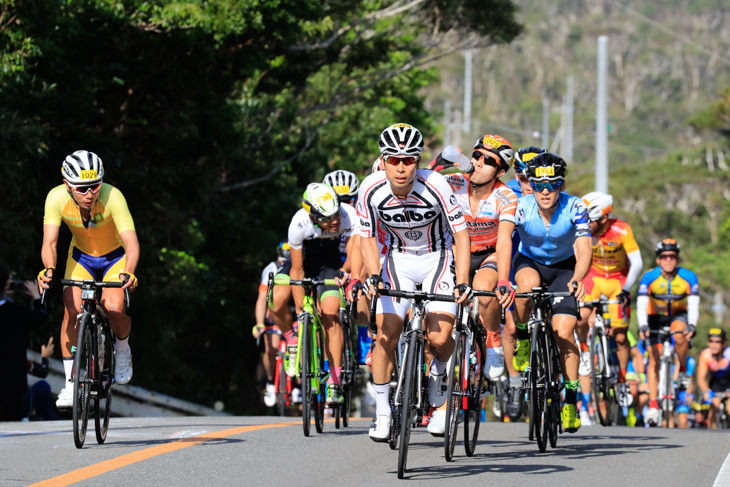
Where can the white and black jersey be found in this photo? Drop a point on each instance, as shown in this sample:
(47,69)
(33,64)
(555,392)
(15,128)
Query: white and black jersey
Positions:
(420,223)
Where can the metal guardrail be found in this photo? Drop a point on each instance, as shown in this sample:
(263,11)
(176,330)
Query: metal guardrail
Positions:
(128,401)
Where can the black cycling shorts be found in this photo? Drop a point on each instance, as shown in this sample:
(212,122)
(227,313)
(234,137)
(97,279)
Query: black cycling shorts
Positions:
(657,322)
(556,276)
(316,269)
(478,262)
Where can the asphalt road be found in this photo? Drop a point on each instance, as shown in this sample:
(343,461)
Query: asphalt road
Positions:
(268,451)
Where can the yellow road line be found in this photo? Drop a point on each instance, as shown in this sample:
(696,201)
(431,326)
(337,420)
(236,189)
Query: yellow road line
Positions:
(138,456)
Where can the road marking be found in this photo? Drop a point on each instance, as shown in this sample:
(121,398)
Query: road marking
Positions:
(86,473)
(723,476)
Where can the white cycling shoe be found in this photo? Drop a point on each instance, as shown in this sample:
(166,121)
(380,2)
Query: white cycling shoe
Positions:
(584,368)
(437,387)
(66,397)
(380,428)
(585,418)
(494,362)
(652,417)
(123,365)
(270,395)
(437,424)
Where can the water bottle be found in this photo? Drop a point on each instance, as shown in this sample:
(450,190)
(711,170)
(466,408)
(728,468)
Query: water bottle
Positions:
(452,154)
(102,340)
(364,342)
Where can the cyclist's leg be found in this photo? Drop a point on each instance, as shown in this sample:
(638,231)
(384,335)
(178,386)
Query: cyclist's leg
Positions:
(112,300)
(527,276)
(619,324)
(486,278)
(281,313)
(334,336)
(652,372)
(585,320)
(681,344)
(271,350)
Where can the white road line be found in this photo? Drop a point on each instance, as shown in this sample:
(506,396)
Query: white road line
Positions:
(723,476)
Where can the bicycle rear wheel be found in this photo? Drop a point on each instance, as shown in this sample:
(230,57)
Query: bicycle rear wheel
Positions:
(103,403)
(83,374)
(280,380)
(409,402)
(318,397)
(307,373)
(473,412)
(454,395)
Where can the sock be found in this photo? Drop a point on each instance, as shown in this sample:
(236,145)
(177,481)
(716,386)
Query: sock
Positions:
(120,344)
(522,333)
(335,376)
(622,376)
(289,337)
(493,340)
(438,367)
(68,365)
(382,399)
(585,398)
(683,368)
(653,405)
(515,381)
(584,347)
(571,392)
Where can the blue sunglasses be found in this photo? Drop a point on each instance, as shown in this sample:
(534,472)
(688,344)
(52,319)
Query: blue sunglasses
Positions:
(551,186)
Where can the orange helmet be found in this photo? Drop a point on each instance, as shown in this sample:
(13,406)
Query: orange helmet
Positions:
(496,147)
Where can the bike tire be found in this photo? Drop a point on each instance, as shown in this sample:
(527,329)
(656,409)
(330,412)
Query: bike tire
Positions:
(667,402)
(281,379)
(454,395)
(319,398)
(306,371)
(395,418)
(408,403)
(599,380)
(473,415)
(553,409)
(82,388)
(347,379)
(103,403)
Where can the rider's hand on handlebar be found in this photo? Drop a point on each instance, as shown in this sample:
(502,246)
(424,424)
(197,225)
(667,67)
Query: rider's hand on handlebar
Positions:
(690,331)
(342,277)
(372,283)
(505,293)
(578,289)
(353,290)
(644,332)
(129,280)
(463,293)
(44,278)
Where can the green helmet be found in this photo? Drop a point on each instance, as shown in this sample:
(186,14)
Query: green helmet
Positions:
(321,201)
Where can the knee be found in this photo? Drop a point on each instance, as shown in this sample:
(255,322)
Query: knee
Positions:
(114,309)
(621,339)
(565,332)
(386,342)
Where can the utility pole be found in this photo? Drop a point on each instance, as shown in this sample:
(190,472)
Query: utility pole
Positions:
(545,122)
(718,308)
(467,91)
(568,117)
(602,117)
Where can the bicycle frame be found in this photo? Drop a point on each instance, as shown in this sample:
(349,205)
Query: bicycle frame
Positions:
(415,325)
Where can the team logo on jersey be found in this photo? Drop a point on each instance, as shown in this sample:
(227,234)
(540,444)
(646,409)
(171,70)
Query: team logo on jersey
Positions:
(414,235)
(411,216)
(452,199)
(503,198)
(455,181)
(443,285)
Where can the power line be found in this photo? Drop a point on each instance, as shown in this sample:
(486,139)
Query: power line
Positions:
(669,31)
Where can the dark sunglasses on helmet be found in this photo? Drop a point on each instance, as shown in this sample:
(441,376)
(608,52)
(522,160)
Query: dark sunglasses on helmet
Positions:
(408,161)
(488,157)
(83,189)
(551,186)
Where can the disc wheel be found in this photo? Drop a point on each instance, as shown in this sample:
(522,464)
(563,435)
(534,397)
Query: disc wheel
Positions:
(83,374)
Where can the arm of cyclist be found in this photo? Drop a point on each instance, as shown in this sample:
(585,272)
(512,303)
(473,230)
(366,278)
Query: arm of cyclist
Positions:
(504,262)
(635,267)
(354,257)
(462,256)
(693,314)
(642,305)
(131,249)
(48,254)
(370,257)
(296,274)
(260,312)
(703,373)
(583,260)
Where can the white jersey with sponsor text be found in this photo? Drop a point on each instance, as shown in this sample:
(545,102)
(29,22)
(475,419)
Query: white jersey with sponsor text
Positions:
(301,228)
(422,222)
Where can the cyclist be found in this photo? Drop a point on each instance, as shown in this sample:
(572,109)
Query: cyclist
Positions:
(265,325)
(636,378)
(668,296)
(555,248)
(316,229)
(616,267)
(713,371)
(345,185)
(104,247)
(419,213)
(489,209)
(520,185)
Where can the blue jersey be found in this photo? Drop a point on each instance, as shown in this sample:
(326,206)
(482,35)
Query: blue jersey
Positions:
(553,245)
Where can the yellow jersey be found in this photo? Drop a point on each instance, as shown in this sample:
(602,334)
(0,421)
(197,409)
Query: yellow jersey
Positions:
(611,248)
(109,217)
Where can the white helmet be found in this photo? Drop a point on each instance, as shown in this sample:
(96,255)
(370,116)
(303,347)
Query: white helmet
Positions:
(321,201)
(345,183)
(378,165)
(401,139)
(82,167)
(598,204)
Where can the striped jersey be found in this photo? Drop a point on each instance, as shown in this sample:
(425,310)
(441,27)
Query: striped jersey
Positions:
(420,223)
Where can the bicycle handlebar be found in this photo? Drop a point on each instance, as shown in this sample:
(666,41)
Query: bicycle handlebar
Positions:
(492,294)
(414,295)
(585,304)
(541,293)
(114,284)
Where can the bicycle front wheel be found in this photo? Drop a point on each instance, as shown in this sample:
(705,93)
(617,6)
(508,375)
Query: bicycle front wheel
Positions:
(318,396)
(667,402)
(103,403)
(454,395)
(599,381)
(474,376)
(307,372)
(538,396)
(83,374)
(280,380)
(409,402)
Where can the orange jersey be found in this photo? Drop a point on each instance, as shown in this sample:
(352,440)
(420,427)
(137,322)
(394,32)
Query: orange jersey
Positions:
(611,248)
(500,205)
